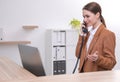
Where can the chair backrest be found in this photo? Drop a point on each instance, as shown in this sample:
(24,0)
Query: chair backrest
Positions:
(31,59)
(10,70)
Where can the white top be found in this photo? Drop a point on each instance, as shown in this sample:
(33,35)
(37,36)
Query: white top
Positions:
(92,33)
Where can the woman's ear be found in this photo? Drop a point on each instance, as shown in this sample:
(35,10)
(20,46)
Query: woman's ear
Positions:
(97,14)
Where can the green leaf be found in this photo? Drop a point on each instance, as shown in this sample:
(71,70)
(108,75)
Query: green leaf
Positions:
(75,23)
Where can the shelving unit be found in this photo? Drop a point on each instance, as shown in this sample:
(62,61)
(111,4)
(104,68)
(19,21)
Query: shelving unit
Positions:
(60,51)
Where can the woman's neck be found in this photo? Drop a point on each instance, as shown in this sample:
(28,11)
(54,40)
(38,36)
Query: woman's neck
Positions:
(96,24)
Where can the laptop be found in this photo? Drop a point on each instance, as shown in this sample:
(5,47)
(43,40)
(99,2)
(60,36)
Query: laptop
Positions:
(31,59)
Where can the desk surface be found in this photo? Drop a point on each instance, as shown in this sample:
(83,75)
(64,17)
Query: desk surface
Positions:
(104,76)
(9,70)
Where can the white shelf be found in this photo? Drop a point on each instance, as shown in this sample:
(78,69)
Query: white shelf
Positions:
(30,27)
(15,42)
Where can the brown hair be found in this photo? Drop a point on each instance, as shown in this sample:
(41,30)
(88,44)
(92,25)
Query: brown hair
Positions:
(95,8)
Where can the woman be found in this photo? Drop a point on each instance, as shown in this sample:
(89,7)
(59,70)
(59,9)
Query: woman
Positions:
(98,52)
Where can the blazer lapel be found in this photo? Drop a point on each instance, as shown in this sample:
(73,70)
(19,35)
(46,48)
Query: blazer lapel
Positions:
(95,38)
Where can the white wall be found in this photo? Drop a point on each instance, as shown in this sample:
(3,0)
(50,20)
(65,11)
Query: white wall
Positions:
(50,14)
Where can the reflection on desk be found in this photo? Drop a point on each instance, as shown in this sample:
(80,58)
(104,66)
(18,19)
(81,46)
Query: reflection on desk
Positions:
(103,76)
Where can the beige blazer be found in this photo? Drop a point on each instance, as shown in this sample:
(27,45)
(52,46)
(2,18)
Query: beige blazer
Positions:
(104,42)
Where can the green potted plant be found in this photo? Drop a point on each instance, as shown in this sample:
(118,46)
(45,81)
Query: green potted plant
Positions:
(75,23)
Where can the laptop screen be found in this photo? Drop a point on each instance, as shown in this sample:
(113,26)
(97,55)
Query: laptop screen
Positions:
(31,59)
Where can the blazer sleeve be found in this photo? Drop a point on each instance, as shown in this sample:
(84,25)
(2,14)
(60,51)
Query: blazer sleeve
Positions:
(107,59)
(79,44)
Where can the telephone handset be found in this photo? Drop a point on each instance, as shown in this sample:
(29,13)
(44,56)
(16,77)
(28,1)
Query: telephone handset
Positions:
(84,29)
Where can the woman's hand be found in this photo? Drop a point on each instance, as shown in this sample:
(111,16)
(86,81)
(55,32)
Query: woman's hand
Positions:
(81,30)
(93,57)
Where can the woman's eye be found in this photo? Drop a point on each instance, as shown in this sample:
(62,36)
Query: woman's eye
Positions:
(87,16)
